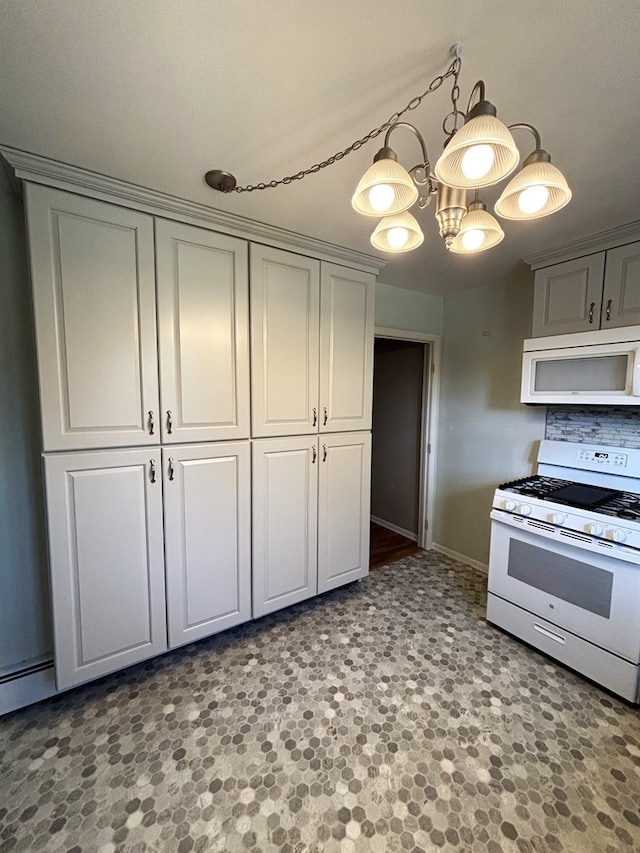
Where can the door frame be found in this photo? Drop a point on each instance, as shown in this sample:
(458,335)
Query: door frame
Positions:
(428,425)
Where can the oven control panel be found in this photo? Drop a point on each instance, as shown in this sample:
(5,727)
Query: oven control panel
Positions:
(604,458)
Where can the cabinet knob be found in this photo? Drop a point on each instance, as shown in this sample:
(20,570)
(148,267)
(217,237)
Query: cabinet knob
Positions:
(326,416)
(324,452)
(169,422)
(591,307)
(152,425)
(171,470)
(315,417)
(608,308)
(152,470)
(314,453)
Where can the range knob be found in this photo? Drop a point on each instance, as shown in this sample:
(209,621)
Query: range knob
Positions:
(524,509)
(558,518)
(595,528)
(510,505)
(618,535)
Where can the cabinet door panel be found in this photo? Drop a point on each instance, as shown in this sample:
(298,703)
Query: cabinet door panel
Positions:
(568,296)
(621,298)
(343,509)
(285,502)
(346,348)
(284,342)
(203,311)
(207,538)
(106,561)
(93,278)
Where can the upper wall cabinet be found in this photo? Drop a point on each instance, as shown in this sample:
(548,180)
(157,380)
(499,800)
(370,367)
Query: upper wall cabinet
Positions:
(285,291)
(203,323)
(346,348)
(92,269)
(595,292)
(311,345)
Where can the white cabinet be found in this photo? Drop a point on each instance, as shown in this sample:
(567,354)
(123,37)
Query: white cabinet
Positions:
(598,291)
(310,516)
(346,348)
(285,293)
(203,325)
(311,345)
(285,507)
(93,277)
(344,489)
(106,560)
(621,294)
(207,538)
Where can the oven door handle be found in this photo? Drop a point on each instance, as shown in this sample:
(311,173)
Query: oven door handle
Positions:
(635,377)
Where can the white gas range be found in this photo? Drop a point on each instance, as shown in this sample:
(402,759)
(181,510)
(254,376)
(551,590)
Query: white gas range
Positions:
(564,566)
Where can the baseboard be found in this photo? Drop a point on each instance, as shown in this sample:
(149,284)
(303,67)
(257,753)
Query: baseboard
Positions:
(23,690)
(461,558)
(396,529)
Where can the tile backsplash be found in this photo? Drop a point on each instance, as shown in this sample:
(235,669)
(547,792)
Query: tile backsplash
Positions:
(617,427)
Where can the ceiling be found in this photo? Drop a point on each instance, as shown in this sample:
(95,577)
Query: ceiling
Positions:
(157,92)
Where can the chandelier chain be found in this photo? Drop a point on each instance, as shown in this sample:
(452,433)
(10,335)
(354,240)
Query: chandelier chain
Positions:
(436,83)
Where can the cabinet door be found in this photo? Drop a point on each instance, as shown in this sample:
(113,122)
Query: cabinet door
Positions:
(106,560)
(207,538)
(203,325)
(285,503)
(93,277)
(621,298)
(343,509)
(346,348)
(284,342)
(567,297)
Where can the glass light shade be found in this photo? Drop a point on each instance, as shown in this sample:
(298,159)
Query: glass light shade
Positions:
(464,162)
(518,199)
(385,188)
(479,231)
(399,233)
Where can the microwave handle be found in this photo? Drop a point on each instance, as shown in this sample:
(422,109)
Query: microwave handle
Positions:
(635,379)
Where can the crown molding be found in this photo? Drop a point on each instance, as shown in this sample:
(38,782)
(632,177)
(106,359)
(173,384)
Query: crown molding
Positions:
(42,170)
(609,239)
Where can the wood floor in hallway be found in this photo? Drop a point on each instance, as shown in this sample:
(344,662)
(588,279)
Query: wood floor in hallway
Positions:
(388,546)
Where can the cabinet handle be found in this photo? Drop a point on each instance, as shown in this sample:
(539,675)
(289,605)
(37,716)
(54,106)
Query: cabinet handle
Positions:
(171,468)
(314,453)
(609,303)
(315,417)
(152,470)
(169,422)
(324,452)
(591,307)
(151,424)
(326,416)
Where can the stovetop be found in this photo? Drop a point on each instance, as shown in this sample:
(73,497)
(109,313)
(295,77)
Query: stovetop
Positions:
(612,502)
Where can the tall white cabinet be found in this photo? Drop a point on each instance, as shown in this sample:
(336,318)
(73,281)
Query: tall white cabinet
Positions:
(205,407)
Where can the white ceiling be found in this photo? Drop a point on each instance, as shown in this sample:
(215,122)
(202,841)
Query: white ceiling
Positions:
(159,91)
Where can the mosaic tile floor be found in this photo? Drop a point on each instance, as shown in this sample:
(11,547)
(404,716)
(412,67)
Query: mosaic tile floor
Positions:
(387,716)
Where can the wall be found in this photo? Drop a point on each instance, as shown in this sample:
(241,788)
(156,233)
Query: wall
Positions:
(397,427)
(398,308)
(617,427)
(486,436)
(25,632)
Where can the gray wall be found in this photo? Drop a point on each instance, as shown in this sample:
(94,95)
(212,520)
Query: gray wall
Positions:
(25,631)
(398,308)
(397,412)
(486,436)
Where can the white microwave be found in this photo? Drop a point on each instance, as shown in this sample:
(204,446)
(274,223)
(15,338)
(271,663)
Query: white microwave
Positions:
(593,368)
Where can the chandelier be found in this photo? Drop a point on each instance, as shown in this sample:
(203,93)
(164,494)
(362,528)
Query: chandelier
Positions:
(479,151)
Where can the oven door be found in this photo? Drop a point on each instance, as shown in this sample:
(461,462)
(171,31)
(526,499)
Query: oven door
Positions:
(568,579)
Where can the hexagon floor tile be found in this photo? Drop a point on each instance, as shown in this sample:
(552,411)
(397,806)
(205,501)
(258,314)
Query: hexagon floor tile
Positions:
(385,716)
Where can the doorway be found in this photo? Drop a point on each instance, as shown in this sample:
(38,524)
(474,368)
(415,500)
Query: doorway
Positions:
(403,441)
